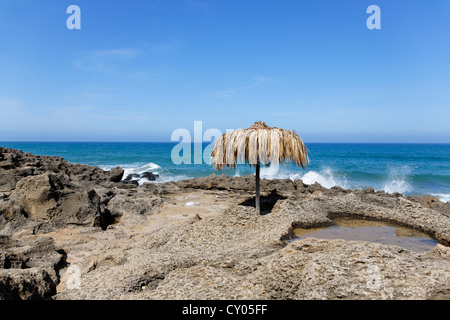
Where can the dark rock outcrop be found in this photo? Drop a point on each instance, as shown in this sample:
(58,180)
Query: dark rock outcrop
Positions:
(284,187)
(42,193)
(132,210)
(432,203)
(149,176)
(51,201)
(15,165)
(29,268)
(134,178)
(53,198)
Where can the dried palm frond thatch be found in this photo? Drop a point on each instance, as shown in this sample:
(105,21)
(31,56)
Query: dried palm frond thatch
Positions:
(259,144)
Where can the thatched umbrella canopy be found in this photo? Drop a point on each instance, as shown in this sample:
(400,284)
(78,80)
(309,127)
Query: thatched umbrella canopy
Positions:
(259,144)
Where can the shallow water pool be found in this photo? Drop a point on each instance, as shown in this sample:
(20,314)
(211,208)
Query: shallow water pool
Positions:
(352,229)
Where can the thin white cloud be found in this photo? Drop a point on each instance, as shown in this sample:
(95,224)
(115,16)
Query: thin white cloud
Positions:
(161,49)
(89,114)
(117,53)
(105,60)
(110,60)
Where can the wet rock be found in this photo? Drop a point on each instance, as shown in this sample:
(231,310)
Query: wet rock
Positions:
(150,176)
(132,176)
(116,174)
(129,180)
(135,177)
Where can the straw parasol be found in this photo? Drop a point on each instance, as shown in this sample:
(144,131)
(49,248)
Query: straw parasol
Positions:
(256,146)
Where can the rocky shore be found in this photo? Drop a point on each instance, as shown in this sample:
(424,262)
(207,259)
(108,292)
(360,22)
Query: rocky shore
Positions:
(77,232)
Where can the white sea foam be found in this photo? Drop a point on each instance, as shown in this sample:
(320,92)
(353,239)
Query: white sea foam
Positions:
(295,176)
(149,167)
(400,186)
(167,178)
(133,169)
(271,172)
(327,178)
(277,172)
(442,196)
(129,169)
(398,180)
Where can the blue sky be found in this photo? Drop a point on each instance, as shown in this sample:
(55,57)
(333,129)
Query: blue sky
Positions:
(139,69)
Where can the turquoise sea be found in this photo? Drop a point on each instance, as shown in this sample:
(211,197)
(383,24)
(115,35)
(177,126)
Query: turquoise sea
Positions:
(411,169)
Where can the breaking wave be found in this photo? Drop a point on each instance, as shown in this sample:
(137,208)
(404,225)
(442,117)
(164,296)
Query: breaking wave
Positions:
(326,177)
(149,167)
(442,196)
(399,181)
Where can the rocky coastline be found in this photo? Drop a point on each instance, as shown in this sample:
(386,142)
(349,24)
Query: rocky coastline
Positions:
(71,231)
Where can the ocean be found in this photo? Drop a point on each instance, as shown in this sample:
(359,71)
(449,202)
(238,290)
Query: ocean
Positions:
(410,169)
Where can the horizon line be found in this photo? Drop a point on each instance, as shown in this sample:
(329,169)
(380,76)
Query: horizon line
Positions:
(176,142)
